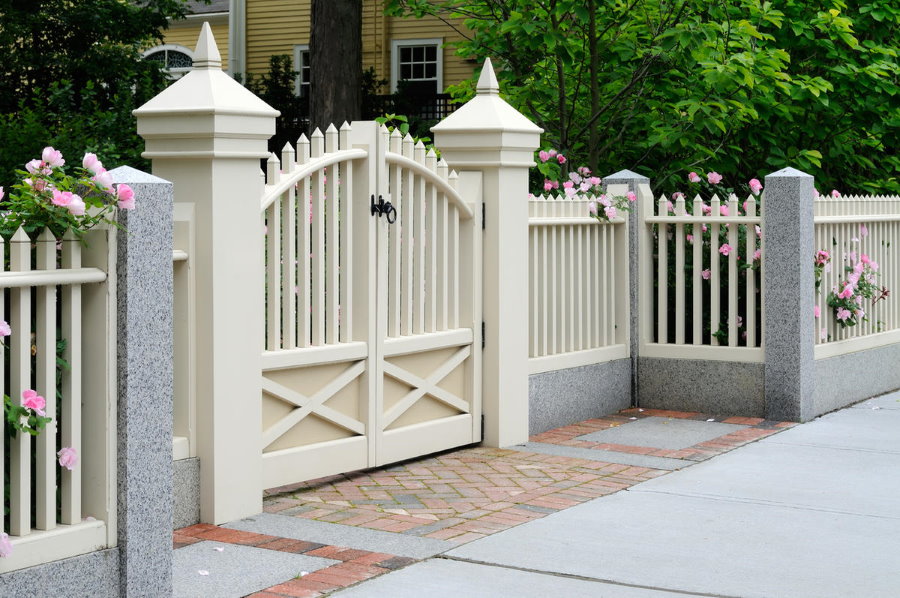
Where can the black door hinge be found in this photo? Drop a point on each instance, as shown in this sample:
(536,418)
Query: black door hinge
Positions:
(482,334)
(483,215)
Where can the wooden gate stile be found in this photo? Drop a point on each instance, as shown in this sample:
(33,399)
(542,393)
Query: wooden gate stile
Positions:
(372,282)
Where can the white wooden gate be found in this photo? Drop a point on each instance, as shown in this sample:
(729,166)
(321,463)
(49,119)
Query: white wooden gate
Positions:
(373,290)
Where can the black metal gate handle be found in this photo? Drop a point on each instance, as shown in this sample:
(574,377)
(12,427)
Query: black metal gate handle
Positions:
(384,208)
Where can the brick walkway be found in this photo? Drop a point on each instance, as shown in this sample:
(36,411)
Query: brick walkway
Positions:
(461,495)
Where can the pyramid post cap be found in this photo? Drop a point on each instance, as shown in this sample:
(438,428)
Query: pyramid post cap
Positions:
(206,54)
(487,81)
(626,174)
(789,172)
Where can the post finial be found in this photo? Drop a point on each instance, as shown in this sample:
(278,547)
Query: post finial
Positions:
(487,82)
(206,55)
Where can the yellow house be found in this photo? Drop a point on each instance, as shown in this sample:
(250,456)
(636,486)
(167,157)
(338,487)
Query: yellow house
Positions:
(248,32)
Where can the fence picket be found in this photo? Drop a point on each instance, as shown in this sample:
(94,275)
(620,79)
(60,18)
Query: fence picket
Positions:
(70,418)
(332,241)
(289,255)
(304,249)
(45,357)
(273,268)
(345,184)
(318,243)
(20,380)
(406,224)
(714,273)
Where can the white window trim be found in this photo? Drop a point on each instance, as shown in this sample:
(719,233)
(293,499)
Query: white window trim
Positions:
(297,50)
(178,72)
(395,58)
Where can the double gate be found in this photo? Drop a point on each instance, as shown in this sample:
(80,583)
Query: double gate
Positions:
(373,291)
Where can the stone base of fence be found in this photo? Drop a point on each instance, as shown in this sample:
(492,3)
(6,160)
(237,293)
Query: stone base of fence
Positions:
(93,574)
(186,487)
(720,387)
(846,379)
(560,397)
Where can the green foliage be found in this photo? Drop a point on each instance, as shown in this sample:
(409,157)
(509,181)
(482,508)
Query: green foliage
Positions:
(277,88)
(668,87)
(71,73)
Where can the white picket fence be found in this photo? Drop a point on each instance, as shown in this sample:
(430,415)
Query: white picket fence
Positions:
(848,227)
(578,281)
(42,524)
(716,281)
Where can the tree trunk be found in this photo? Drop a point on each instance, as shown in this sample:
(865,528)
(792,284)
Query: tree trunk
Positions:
(335,56)
(594,75)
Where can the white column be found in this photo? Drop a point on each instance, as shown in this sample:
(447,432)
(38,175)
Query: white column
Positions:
(206,134)
(490,136)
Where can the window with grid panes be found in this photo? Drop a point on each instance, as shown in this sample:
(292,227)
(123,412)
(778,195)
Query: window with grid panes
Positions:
(418,66)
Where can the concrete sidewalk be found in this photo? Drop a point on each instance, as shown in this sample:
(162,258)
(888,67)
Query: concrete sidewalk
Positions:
(810,510)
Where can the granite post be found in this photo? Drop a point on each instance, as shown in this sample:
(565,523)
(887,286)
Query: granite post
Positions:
(632,179)
(788,295)
(145,382)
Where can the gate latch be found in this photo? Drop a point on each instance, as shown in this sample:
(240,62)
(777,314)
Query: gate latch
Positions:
(384,208)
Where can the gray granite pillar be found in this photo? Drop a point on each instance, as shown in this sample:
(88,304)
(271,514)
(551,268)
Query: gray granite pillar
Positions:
(145,382)
(788,295)
(632,179)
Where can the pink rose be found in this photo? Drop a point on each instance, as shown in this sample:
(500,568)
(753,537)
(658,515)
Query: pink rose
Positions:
(705,274)
(544,156)
(846,292)
(1,193)
(560,158)
(863,229)
(571,191)
(52,157)
(707,209)
(592,208)
(865,259)
(552,153)
(755,186)
(5,330)
(693,177)
(5,545)
(817,311)
(34,401)
(822,257)
(610,212)
(103,180)
(594,180)
(125,196)
(689,238)
(630,196)
(842,314)
(90,162)
(584,171)
(547,185)
(61,198)
(723,210)
(584,187)
(835,193)
(68,458)
(714,178)
(33,166)
(726,248)
(757,254)
(77,207)
(758,230)
(575,177)
(670,207)
(568,185)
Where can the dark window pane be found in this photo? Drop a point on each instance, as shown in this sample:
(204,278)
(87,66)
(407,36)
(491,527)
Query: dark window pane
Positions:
(430,70)
(405,54)
(431,53)
(176,60)
(418,71)
(157,57)
(405,72)
(418,53)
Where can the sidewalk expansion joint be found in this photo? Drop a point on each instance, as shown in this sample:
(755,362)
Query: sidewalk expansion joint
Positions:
(583,577)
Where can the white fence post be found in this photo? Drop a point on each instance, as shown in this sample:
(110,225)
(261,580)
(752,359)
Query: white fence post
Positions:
(788,295)
(489,135)
(206,134)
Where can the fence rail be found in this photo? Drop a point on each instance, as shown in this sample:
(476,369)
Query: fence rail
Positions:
(57,310)
(712,254)
(848,228)
(578,284)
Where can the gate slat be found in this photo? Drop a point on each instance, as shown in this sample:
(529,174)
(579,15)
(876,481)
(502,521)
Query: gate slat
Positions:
(431,248)
(345,183)
(332,243)
(45,318)
(273,261)
(70,420)
(304,249)
(20,379)
(443,248)
(394,251)
(289,256)
(407,213)
(421,193)
(318,244)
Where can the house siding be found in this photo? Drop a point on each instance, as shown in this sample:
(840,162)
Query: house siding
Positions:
(185,33)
